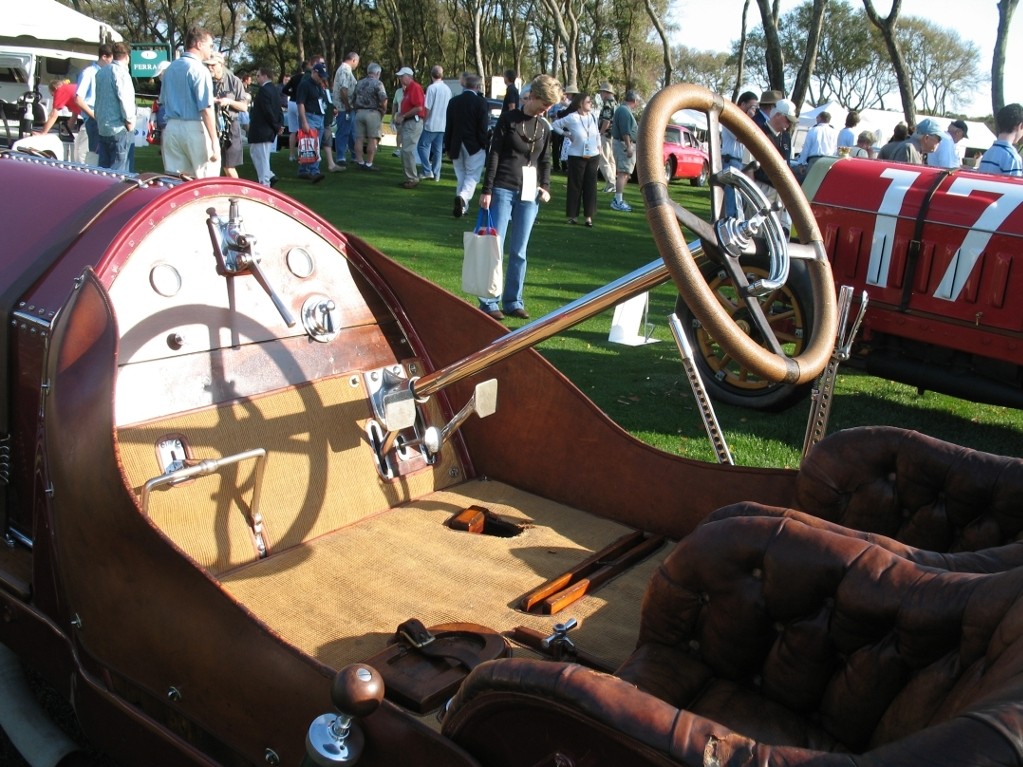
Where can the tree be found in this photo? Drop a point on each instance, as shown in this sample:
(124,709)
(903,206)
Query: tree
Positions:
(850,66)
(714,71)
(663,35)
(887,26)
(810,56)
(566,23)
(774,57)
(740,56)
(940,64)
(1005,10)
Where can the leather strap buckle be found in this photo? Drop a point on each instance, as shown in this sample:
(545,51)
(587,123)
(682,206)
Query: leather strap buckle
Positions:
(415,633)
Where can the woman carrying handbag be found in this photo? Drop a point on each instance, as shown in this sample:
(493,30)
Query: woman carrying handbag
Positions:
(516,181)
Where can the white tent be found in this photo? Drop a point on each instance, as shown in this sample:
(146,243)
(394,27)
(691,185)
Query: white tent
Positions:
(46,24)
(691,118)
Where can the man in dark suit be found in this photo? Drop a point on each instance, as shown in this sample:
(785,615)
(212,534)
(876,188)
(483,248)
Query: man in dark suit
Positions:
(266,123)
(465,140)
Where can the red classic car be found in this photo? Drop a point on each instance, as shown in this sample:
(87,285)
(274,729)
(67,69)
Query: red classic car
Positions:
(269,496)
(684,156)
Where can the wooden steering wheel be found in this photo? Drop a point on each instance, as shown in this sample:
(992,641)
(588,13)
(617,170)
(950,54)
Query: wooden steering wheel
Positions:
(665,217)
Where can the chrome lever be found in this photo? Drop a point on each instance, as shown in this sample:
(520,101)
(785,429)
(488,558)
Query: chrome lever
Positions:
(483,403)
(234,251)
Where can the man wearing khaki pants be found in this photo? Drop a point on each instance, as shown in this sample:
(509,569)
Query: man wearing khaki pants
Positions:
(607,156)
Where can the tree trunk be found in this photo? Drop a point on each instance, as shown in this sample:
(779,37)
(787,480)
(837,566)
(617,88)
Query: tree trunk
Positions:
(569,34)
(740,74)
(300,28)
(887,27)
(665,45)
(810,57)
(774,56)
(1005,11)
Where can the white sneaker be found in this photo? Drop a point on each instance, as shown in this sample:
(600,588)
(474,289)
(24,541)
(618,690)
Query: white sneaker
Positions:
(608,188)
(396,153)
(623,206)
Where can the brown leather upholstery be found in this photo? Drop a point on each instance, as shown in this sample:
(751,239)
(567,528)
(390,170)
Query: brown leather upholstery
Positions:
(919,490)
(929,501)
(772,642)
(991,560)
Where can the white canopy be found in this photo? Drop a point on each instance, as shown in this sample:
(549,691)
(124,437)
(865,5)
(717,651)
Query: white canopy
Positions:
(691,118)
(47,24)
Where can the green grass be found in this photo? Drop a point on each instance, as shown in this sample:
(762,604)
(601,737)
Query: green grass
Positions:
(642,388)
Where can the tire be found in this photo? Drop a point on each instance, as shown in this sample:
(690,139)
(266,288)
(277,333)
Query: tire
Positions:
(669,169)
(790,314)
(701,180)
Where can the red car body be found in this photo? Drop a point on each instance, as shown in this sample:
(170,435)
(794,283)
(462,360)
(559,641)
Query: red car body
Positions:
(684,156)
(940,255)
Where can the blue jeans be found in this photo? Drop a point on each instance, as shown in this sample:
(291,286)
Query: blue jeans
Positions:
(92,132)
(114,151)
(731,200)
(315,123)
(431,152)
(506,208)
(344,136)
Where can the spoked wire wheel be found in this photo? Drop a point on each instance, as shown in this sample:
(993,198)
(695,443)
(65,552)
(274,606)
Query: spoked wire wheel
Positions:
(789,313)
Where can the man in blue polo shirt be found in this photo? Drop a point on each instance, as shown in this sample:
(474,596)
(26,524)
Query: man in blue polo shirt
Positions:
(1002,157)
(189,143)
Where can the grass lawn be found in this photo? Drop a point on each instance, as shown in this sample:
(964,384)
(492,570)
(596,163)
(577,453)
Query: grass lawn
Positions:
(642,388)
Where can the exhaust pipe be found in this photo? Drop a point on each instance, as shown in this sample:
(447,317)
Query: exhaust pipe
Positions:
(40,742)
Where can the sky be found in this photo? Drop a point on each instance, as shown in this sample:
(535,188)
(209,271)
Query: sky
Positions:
(712,25)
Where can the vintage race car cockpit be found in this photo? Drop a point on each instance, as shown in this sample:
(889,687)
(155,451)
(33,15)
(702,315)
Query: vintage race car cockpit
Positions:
(272,496)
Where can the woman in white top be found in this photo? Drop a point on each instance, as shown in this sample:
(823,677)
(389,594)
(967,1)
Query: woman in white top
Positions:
(864,146)
(583,158)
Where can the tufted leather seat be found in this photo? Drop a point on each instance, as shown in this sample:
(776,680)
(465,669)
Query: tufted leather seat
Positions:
(916,489)
(963,509)
(765,641)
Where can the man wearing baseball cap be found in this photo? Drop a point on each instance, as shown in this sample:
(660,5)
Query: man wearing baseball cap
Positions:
(311,96)
(410,123)
(778,128)
(925,139)
(947,155)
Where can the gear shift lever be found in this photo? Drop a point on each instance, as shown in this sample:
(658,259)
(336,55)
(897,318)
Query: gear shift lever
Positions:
(336,739)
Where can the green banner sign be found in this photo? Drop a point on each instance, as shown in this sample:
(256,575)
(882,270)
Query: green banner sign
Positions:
(145,57)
